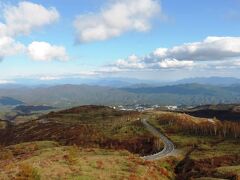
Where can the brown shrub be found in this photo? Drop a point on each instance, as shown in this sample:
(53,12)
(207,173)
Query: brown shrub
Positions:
(100,164)
(26,171)
(72,155)
(6,154)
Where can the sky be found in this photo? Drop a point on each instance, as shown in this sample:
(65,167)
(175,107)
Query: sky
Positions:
(144,39)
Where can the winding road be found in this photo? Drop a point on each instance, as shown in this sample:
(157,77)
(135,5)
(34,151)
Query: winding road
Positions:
(168,145)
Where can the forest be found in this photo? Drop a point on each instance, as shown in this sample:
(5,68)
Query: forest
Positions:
(186,124)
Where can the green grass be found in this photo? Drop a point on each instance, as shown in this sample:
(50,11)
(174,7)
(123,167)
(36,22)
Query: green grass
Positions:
(3,125)
(225,148)
(48,160)
(211,155)
(88,126)
(207,146)
(228,170)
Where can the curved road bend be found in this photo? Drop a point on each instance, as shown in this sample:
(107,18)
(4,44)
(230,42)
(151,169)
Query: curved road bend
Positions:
(168,145)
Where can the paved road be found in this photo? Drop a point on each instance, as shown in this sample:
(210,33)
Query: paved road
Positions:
(168,145)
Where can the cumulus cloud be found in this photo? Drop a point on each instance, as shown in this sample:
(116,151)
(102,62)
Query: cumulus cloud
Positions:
(9,46)
(115,19)
(174,63)
(149,62)
(22,19)
(230,64)
(212,51)
(6,82)
(27,16)
(43,51)
(132,62)
(49,78)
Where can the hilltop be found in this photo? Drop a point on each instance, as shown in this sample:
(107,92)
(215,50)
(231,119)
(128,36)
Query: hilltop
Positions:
(81,142)
(86,126)
(85,141)
(210,147)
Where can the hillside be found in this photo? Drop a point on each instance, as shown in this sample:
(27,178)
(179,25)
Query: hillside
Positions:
(210,148)
(29,109)
(86,126)
(81,142)
(86,141)
(49,160)
(220,111)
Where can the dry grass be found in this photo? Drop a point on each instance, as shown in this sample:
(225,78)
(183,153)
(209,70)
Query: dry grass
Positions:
(207,151)
(229,171)
(207,146)
(51,161)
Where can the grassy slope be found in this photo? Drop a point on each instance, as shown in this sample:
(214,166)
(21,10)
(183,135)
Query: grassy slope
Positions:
(208,150)
(230,170)
(43,148)
(95,128)
(9,113)
(87,126)
(49,160)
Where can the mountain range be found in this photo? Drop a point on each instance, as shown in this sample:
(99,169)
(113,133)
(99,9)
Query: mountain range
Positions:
(74,95)
(118,82)
(223,81)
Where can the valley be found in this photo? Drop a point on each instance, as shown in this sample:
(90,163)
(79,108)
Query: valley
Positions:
(119,90)
(67,95)
(84,141)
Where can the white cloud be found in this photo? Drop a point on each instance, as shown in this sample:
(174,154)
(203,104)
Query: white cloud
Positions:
(236,63)
(22,19)
(115,19)
(149,62)
(174,63)
(230,64)
(212,52)
(27,16)
(132,62)
(210,49)
(49,78)
(9,47)
(6,82)
(43,51)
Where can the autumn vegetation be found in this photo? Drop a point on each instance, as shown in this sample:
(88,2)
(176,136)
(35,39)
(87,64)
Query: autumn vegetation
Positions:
(50,160)
(87,126)
(98,142)
(209,148)
(199,126)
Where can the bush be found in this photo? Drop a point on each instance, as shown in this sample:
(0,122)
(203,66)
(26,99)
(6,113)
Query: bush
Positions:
(72,155)
(5,154)
(26,171)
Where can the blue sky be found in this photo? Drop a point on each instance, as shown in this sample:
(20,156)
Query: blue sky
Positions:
(122,50)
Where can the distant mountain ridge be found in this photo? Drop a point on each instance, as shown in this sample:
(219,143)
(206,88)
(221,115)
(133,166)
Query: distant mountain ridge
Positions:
(106,82)
(118,82)
(224,81)
(74,95)
(182,89)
